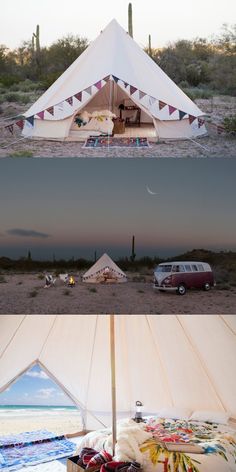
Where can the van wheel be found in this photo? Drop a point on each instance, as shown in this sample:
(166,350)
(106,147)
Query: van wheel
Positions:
(206,286)
(181,290)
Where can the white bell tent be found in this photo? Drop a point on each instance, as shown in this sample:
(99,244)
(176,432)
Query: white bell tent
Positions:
(113,72)
(161,360)
(104,270)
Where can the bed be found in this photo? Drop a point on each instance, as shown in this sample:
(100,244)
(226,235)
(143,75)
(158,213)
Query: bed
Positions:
(97,122)
(143,443)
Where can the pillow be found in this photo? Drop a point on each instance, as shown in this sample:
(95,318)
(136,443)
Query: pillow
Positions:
(174,413)
(211,416)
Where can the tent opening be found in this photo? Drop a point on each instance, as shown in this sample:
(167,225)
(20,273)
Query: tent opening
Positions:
(35,401)
(131,119)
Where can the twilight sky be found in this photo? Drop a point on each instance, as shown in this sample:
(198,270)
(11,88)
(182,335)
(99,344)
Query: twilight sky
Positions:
(165,21)
(72,207)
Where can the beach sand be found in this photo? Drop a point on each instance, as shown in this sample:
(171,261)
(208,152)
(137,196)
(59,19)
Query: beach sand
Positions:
(60,424)
(25,294)
(215,145)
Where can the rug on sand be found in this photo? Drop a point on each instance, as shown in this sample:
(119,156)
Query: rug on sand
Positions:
(32,448)
(104,142)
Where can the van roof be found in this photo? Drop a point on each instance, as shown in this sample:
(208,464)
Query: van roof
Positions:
(183,262)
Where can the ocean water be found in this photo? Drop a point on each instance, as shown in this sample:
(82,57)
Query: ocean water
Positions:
(21,411)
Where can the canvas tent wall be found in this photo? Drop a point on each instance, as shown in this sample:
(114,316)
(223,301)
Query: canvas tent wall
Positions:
(115,58)
(104,266)
(184,361)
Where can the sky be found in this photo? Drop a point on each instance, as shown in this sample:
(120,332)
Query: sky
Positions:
(34,388)
(166,21)
(72,207)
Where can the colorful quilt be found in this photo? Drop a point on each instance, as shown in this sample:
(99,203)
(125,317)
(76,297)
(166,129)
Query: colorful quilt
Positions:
(31,448)
(217,441)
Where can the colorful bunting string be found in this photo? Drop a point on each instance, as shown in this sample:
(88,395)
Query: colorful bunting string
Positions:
(79,96)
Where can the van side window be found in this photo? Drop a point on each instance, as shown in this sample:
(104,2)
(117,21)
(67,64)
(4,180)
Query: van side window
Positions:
(195,268)
(188,268)
(178,268)
(200,267)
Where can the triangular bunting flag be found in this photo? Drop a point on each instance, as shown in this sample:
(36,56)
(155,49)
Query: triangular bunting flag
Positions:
(88,90)
(162,104)
(152,100)
(78,96)
(51,110)
(10,128)
(132,89)
(98,85)
(20,124)
(141,95)
(200,122)
(107,78)
(41,115)
(115,79)
(30,120)
(126,84)
(181,114)
(171,109)
(191,119)
(70,100)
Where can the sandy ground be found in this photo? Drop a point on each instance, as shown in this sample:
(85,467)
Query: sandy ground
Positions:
(25,294)
(61,424)
(214,145)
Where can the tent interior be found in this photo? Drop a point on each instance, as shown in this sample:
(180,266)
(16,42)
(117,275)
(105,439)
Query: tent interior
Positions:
(162,360)
(137,120)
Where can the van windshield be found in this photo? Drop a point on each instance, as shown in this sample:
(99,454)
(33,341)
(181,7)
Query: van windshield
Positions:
(165,268)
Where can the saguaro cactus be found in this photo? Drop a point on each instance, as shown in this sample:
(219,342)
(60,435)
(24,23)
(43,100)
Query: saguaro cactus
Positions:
(37,40)
(150,45)
(133,255)
(130,20)
(36,46)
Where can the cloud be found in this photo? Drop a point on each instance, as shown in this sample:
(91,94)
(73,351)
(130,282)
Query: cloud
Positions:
(27,233)
(39,375)
(45,393)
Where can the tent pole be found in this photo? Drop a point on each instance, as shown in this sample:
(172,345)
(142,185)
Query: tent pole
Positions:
(113,380)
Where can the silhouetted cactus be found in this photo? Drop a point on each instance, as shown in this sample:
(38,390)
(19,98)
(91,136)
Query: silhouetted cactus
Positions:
(133,255)
(130,20)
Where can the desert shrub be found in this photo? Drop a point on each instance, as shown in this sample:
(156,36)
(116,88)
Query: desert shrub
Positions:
(139,278)
(29,86)
(22,154)
(41,277)
(93,290)
(230,124)
(14,88)
(12,97)
(2,279)
(140,291)
(197,92)
(33,294)
(67,292)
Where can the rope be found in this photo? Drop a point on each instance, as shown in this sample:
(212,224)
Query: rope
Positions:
(13,336)
(162,365)
(201,361)
(15,142)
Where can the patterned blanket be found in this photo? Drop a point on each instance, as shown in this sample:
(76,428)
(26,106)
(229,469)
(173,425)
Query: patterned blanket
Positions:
(21,450)
(217,441)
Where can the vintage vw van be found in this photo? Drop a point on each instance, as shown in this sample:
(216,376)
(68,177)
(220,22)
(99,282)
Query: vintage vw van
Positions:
(179,276)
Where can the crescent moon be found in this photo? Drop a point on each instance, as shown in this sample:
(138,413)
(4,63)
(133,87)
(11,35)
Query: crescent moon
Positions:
(150,191)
